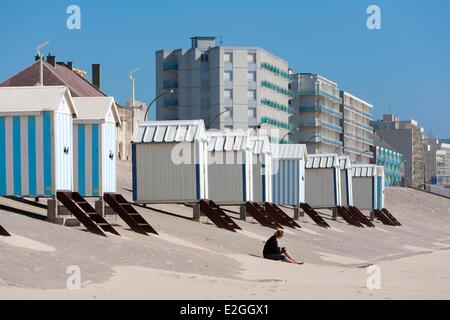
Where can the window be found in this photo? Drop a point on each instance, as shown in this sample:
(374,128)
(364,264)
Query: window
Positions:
(228,112)
(228,76)
(251,94)
(228,94)
(204,57)
(251,57)
(228,57)
(251,76)
(251,113)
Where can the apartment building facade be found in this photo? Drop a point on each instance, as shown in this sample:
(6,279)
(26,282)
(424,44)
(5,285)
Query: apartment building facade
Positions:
(437,155)
(228,87)
(357,136)
(392,160)
(317,115)
(407,138)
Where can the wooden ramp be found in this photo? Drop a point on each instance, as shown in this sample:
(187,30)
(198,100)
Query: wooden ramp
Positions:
(357,214)
(259,214)
(85,213)
(391,217)
(128,214)
(3,232)
(314,215)
(281,216)
(217,216)
(348,217)
(380,215)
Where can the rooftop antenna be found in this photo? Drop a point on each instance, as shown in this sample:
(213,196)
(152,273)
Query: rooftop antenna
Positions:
(389,108)
(41,72)
(133,98)
(220,40)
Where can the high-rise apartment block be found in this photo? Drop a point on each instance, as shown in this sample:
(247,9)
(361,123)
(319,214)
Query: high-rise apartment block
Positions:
(358,134)
(317,116)
(227,87)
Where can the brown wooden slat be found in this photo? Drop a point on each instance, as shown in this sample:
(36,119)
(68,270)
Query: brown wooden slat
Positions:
(356,213)
(281,216)
(217,215)
(314,215)
(260,215)
(128,214)
(85,213)
(390,216)
(347,216)
(3,232)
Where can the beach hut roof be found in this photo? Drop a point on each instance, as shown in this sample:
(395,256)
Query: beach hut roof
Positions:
(259,144)
(169,131)
(321,161)
(97,108)
(35,99)
(364,170)
(289,151)
(345,163)
(226,141)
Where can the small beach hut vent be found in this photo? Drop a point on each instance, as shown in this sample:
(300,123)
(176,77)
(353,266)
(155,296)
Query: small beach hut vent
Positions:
(95,136)
(323,188)
(346,181)
(169,160)
(365,180)
(288,173)
(36,152)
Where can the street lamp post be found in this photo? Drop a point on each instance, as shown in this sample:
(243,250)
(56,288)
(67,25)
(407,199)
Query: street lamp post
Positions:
(215,118)
(133,98)
(360,154)
(41,64)
(157,97)
(287,134)
(258,126)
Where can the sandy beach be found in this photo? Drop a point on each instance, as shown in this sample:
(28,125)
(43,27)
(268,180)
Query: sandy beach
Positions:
(191,260)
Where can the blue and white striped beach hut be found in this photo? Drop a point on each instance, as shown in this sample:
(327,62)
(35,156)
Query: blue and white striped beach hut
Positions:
(380,187)
(36,141)
(261,173)
(288,173)
(94,140)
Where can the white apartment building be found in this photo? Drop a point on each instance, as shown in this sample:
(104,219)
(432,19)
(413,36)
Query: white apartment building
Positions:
(227,87)
(317,116)
(357,131)
(437,156)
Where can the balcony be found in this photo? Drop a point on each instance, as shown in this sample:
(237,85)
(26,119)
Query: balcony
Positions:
(317,92)
(321,108)
(170,67)
(362,113)
(170,102)
(170,84)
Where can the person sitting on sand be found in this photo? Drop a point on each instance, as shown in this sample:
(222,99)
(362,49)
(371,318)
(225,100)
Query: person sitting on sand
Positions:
(273,252)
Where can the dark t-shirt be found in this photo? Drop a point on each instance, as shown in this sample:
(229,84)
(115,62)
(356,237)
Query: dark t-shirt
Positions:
(271,246)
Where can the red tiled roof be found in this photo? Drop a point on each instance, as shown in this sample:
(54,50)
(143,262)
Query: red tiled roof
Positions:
(54,76)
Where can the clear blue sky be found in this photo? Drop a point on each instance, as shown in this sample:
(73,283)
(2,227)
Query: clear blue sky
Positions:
(406,64)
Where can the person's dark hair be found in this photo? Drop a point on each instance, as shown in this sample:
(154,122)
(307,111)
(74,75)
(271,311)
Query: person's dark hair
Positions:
(279,233)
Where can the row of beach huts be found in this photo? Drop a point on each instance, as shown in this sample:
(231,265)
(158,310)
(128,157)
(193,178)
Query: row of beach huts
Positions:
(63,148)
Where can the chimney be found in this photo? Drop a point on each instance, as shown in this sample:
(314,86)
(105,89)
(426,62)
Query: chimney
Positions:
(70,65)
(51,60)
(96,76)
(36,58)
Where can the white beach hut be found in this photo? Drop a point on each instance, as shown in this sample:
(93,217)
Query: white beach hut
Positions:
(170,162)
(95,136)
(229,168)
(345,166)
(288,173)
(365,184)
(323,187)
(36,151)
